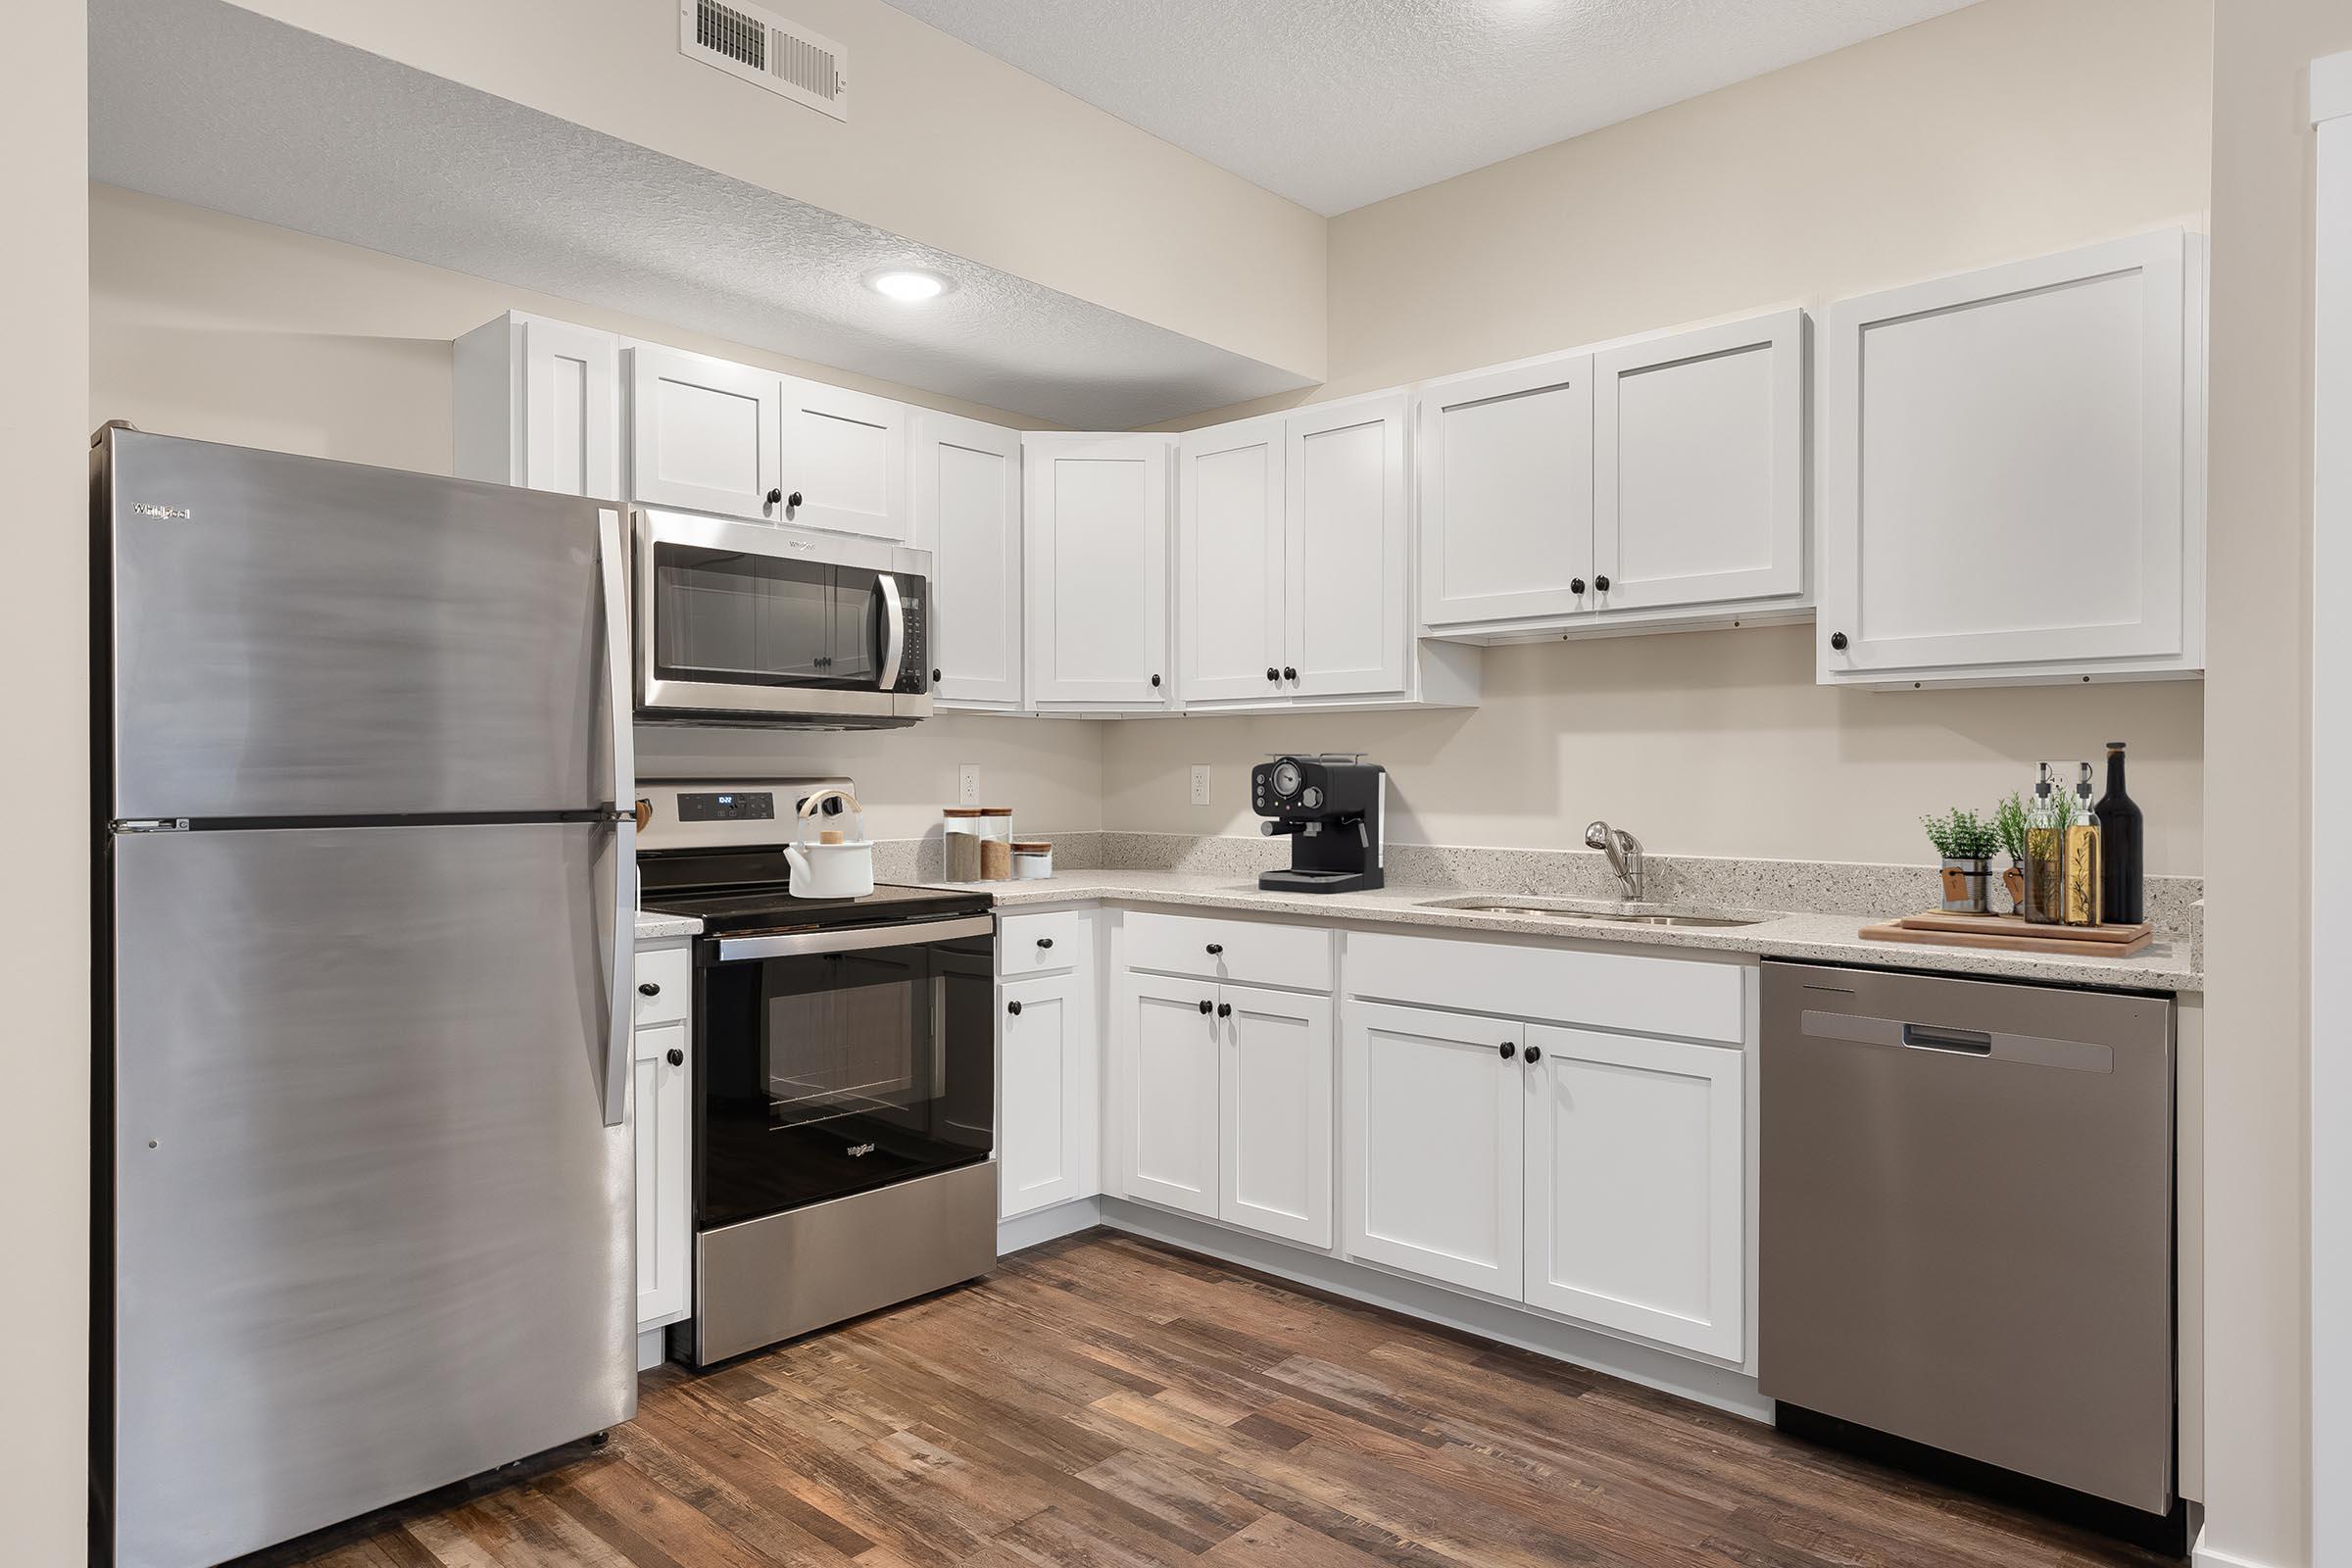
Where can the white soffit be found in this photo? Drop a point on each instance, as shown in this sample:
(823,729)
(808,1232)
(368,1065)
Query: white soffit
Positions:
(202,102)
(1337,103)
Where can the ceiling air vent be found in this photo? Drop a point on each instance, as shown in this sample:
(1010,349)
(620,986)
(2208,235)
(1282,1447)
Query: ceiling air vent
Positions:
(784,56)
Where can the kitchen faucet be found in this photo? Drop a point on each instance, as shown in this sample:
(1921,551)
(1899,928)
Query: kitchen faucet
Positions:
(1625,855)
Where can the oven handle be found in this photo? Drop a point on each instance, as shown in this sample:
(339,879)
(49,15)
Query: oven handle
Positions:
(894,629)
(619,714)
(801,943)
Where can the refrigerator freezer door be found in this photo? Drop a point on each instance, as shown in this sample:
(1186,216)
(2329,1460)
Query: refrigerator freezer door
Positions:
(300,638)
(372,1232)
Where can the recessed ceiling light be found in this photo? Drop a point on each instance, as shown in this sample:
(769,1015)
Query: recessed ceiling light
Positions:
(907,285)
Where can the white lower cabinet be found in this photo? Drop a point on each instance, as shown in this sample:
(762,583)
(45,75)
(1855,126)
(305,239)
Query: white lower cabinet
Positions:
(663,1130)
(1274,1118)
(1634,1191)
(1166,1031)
(1044,1120)
(1432,1138)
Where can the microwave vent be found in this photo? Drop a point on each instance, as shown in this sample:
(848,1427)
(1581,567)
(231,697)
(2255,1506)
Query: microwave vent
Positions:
(764,48)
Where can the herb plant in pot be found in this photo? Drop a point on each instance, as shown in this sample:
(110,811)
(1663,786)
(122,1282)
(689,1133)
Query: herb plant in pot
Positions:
(1967,843)
(2009,821)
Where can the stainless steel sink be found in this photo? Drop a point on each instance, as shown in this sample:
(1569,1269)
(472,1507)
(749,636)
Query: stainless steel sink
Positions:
(1553,911)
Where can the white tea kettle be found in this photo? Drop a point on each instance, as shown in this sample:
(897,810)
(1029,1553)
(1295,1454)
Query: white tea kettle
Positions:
(835,864)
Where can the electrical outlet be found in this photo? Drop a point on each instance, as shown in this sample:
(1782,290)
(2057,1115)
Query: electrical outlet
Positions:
(1199,783)
(968,784)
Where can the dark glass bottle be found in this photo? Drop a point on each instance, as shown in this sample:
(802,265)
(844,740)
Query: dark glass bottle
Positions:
(2121,829)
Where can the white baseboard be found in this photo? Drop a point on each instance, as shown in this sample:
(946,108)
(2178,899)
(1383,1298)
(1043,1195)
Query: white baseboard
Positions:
(1719,1386)
(2201,1555)
(1024,1231)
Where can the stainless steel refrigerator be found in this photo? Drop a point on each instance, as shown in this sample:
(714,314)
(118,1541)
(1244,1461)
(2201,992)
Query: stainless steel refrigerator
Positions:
(365,898)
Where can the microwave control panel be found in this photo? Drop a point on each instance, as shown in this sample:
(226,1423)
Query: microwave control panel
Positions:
(915,658)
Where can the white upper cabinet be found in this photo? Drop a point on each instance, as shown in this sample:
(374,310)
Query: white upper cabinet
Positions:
(1345,565)
(843,460)
(538,404)
(704,433)
(2011,484)
(966,486)
(1230,561)
(1698,466)
(1506,462)
(1635,1186)
(1095,556)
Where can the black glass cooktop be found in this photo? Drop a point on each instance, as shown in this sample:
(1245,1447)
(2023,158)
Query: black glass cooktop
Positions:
(735,893)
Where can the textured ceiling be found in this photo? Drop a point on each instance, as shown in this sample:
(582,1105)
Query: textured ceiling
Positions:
(1335,103)
(205,103)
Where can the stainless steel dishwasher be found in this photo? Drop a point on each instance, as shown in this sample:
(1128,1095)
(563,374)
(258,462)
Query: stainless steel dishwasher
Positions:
(1966,1220)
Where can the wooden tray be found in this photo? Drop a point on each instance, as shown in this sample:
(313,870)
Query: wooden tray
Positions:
(2013,933)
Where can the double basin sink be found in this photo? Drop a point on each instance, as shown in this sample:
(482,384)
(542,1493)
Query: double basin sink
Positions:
(1546,909)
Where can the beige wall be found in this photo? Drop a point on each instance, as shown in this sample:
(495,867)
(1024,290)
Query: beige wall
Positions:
(44,923)
(2009,128)
(212,326)
(2257,631)
(944,145)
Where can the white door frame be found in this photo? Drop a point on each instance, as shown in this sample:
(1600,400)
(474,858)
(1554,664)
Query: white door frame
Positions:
(2330,839)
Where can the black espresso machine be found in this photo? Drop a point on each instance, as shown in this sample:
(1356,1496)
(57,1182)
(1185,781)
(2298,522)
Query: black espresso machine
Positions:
(1330,806)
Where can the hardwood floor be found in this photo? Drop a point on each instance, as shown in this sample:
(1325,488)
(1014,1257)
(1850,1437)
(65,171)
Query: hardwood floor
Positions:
(1103,1400)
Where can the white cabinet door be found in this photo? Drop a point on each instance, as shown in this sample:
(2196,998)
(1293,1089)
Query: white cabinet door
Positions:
(665,1111)
(1636,1176)
(1044,1146)
(571,410)
(1506,462)
(1432,1179)
(1698,466)
(1276,1121)
(1229,561)
(704,433)
(1345,571)
(1165,1033)
(1095,554)
(844,454)
(2003,458)
(968,513)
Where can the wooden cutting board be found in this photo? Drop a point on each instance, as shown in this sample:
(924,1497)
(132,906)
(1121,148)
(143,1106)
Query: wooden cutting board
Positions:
(2011,933)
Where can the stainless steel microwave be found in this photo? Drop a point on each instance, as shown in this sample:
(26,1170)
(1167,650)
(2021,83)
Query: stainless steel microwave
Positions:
(755,624)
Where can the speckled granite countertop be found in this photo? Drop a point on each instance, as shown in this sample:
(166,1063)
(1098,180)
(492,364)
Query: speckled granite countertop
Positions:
(2165,965)
(652,927)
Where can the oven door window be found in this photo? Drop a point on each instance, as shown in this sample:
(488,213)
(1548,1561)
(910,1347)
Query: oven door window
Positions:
(739,619)
(834,1074)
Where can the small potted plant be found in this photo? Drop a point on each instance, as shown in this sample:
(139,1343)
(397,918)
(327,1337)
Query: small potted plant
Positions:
(2009,821)
(1967,843)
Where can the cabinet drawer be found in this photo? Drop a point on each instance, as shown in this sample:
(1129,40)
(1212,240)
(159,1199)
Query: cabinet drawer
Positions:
(1043,944)
(670,972)
(1634,994)
(1251,951)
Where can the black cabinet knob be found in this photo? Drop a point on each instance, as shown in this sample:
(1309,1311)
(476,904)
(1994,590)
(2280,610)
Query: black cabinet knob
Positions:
(793,499)
(1534,1053)
(1206,1006)
(935,678)
(646,988)
(1156,680)
(1576,585)
(1509,1050)
(1215,948)
(1272,673)
(1290,673)
(775,497)
(1224,1010)
(1013,1007)
(1837,641)
(1044,942)
(677,1057)
(1601,583)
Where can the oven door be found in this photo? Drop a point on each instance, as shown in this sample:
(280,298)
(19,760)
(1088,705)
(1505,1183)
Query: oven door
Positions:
(759,622)
(836,1062)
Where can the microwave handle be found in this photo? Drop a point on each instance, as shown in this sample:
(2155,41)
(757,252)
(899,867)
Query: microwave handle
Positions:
(894,629)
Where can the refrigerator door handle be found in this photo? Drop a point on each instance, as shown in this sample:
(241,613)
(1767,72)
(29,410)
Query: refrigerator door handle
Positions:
(620,713)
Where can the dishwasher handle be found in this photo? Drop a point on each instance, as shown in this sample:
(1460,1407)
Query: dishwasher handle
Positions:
(1960,1042)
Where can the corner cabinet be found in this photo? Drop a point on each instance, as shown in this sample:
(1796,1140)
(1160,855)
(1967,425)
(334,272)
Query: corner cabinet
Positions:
(2011,482)
(966,492)
(1095,560)
(537,403)
(663,1105)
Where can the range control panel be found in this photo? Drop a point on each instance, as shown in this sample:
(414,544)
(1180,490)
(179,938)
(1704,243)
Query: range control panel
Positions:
(730,805)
